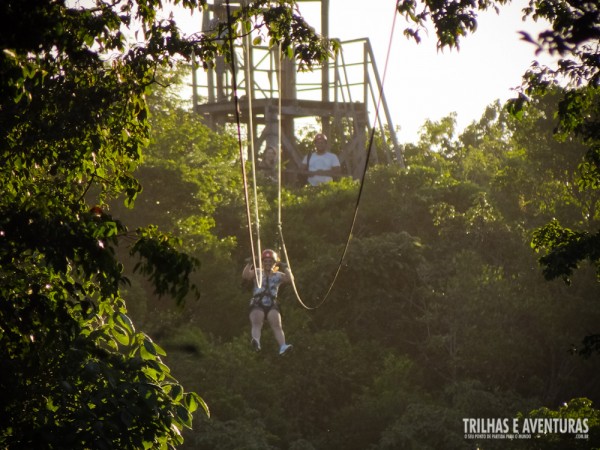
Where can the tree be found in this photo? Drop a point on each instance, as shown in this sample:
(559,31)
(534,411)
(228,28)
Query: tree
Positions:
(582,416)
(73,127)
(438,313)
(572,36)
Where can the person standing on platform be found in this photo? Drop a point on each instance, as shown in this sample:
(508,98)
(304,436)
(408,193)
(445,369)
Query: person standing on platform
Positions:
(321,166)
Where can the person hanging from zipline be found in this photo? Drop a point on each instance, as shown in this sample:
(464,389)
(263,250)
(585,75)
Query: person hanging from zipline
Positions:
(264,302)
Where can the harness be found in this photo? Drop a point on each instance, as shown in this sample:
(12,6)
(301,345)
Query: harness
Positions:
(264,299)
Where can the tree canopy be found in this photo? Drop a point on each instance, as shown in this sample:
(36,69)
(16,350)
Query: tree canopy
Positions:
(440,255)
(573,35)
(74,122)
(440,311)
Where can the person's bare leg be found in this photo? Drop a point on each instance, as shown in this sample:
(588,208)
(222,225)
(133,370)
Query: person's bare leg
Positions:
(274,319)
(257,318)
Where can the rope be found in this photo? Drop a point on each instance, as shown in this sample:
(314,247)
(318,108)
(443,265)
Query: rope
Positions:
(257,274)
(252,153)
(279,149)
(279,203)
(362,179)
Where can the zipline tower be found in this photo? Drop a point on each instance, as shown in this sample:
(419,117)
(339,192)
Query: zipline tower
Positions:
(341,93)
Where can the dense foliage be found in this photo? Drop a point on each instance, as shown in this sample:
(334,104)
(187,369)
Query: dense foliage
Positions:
(74,122)
(440,311)
(76,373)
(572,36)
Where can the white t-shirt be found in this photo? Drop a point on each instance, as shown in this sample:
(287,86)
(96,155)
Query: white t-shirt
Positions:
(325,161)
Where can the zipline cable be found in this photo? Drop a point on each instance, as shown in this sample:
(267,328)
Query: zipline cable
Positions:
(362,179)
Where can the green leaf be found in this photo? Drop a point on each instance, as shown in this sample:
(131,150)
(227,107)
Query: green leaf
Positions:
(125,322)
(193,400)
(184,415)
(176,392)
(121,335)
(147,350)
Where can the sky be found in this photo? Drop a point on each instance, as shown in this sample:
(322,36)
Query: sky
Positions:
(421,82)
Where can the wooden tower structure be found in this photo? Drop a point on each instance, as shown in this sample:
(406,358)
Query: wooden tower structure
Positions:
(338,97)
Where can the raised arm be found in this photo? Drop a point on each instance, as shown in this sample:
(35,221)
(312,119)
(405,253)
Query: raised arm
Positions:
(248,272)
(287,274)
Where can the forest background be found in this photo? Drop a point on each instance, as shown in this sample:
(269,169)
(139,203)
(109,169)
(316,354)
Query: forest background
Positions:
(441,312)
